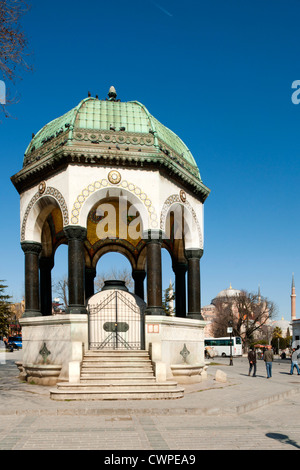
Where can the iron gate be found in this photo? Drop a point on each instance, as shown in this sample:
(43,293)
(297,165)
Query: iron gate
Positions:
(116,323)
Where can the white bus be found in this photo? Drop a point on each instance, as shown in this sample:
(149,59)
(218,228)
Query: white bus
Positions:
(222,345)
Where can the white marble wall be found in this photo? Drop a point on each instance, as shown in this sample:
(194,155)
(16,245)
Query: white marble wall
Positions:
(65,337)
(166,337)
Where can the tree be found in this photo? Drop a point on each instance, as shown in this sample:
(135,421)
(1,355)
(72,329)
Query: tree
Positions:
(223,315)
(61,286)
(61,289)
(168,300)
(114,274)
(13,43)
(5,311)
(248,312)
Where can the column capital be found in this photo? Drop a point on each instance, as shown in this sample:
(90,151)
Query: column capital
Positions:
(152,235)
(179,267)
(138,273)
(75,232)
(31,247)
(46,262)
(91,271)
(191,253)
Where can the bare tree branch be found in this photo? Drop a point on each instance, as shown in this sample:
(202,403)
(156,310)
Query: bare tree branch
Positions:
(247,312)
(120,275)
(61,289)
(13,44)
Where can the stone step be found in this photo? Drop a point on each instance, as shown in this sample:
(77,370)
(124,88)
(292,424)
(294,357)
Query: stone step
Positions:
(158,394)
(105,352)
(107,386)
(117,375)
(111,374)
(115,358)
(122,365)
(116,380)
(115,368)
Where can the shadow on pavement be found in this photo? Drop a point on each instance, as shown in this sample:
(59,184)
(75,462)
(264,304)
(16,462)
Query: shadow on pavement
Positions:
(282,438)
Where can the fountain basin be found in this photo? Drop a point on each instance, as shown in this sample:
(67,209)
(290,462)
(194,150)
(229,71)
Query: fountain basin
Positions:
(42,374)
(189,373)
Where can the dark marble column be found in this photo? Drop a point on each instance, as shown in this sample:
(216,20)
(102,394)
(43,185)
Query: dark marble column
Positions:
(32,251)
(139,277)
(194,288)
(154,276)
(90,274)
(180,270)
(46,265)
(76,236)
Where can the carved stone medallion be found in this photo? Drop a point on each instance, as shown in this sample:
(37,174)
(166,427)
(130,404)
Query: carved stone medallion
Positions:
(42,187)
(182,195)
(114,177)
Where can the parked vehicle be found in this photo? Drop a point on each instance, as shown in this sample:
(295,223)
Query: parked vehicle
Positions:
(15,342)
(225,346)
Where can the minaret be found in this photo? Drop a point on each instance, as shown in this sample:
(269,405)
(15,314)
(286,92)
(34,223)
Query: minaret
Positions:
(293,300)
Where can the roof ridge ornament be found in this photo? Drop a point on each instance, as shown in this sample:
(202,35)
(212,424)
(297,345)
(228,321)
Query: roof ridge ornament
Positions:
(112,94)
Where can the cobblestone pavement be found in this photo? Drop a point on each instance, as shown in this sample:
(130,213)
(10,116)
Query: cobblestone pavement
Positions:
(275,427)
(206,419)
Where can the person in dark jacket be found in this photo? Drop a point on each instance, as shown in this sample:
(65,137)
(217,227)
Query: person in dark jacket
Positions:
(268,358)
(252,362)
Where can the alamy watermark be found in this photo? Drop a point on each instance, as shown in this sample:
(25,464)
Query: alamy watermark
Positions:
(123,220)
(295,96)
(2,92)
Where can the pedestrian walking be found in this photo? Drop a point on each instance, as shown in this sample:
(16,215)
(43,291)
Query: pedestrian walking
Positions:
(252,362)
(294,361)
(268,358)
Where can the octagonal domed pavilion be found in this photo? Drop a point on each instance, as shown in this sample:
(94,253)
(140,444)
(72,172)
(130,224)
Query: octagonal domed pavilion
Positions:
(108,176)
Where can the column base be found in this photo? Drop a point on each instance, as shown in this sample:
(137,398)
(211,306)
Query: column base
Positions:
(194,316)
(31,313)
(155,311)
(76,309)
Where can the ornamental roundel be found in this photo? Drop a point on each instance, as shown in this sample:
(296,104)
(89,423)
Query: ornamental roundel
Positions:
(183,195)
(42,187)
(114,177)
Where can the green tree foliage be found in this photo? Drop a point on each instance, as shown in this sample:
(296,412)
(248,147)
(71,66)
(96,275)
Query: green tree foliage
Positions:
(5,311)
(168,295)
(278,342)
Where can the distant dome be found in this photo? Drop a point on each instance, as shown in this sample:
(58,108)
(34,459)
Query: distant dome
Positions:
(230,292)
(282,324)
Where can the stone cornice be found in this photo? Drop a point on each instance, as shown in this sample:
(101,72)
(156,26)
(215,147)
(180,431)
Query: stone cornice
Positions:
(53,163)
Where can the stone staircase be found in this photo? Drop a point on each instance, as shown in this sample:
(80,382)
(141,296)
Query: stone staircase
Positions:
(116,375)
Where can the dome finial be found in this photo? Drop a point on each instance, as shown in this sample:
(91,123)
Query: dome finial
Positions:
(112,93)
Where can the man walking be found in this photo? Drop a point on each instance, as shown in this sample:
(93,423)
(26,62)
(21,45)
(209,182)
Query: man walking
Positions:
(268,358)
(252,362)
(294,361)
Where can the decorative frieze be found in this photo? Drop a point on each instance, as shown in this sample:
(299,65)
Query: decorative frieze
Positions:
(114,176)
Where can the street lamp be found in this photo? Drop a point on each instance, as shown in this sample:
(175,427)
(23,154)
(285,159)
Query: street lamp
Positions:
(229,330)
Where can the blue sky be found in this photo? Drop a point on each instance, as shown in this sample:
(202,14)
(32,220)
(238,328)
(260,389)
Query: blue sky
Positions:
(217,73)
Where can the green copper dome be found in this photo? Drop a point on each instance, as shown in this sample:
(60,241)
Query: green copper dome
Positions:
(113,130)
